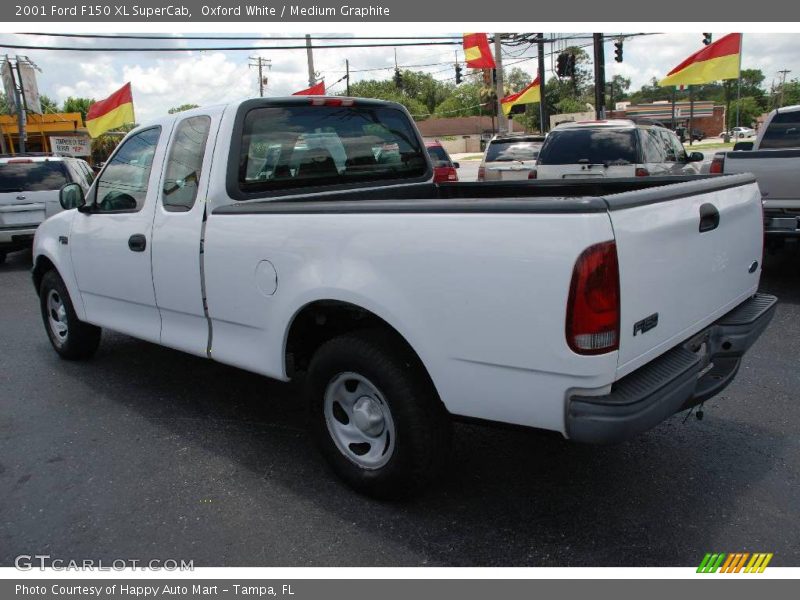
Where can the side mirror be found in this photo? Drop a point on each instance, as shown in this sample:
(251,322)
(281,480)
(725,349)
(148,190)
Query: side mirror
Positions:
(71,196)
(743,146)
(456,165)
(696,157)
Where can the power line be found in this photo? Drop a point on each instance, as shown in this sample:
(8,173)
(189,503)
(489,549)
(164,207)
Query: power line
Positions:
(232,37)
(223,48)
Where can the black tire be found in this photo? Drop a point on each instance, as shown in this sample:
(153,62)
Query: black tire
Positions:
(420,422)
(2,257)
(80,340)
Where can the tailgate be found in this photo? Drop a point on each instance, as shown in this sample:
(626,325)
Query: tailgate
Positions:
(776,171)
(674,278)
(24,209)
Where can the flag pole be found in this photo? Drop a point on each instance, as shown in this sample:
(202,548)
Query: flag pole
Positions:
(691,113)
(739,80)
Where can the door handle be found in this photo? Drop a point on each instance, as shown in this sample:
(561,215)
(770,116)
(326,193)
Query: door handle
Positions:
(137,242)
(709,217)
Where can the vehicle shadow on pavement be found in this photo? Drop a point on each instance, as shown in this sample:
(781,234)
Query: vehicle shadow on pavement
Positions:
(145,451)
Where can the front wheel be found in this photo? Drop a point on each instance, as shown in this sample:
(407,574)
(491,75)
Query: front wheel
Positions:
(71,338)
(375,414)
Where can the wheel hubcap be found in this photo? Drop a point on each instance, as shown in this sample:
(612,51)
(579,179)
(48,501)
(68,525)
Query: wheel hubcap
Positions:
(359,420)
(57,317)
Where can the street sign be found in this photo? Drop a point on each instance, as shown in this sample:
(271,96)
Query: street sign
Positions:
(9,85)
(71,145)
(30,89)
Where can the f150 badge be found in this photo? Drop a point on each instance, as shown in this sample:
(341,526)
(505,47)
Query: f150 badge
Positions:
(645,324)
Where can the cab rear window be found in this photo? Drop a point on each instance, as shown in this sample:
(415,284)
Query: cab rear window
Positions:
(295,146)
(592,146)
(39,176)
(512,151)
(783,131)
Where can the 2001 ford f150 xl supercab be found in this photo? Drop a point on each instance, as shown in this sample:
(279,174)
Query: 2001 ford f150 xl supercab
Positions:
(306,235)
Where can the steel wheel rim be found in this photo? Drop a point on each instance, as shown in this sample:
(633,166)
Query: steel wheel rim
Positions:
(57,317)
(359,420)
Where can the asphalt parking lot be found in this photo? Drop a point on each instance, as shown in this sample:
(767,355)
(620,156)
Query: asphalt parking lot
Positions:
(144,452)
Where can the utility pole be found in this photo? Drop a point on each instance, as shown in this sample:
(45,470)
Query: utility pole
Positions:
(783,75)
(260,64)
(499,87)
(312,79)
(599,76)
(347,75)
(543,124)
(19,101)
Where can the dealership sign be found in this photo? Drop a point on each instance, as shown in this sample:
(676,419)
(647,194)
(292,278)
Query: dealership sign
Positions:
(71,145)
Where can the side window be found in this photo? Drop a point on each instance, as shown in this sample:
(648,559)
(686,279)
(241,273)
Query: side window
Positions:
(88,174)
(666,141)
(185,163)
(123,185)
(783,131)
(680,151)
(653,146)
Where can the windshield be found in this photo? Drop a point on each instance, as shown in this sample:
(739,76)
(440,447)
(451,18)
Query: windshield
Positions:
(591,146)
(299,145)
(39,176)
(503,151)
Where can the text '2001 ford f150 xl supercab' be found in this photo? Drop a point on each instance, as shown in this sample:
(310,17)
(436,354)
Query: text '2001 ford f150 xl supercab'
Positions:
(305,235)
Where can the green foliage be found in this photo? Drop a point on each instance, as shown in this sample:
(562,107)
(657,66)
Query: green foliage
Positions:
(749,110)
(48,104)
(182,107)
(80,105)
(414,94)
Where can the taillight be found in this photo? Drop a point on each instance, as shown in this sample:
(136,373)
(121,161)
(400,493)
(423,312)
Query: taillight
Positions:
(322,101)
(532,174)
(642,172)
(593,305)
(717,164)
(481,173)
(452,175)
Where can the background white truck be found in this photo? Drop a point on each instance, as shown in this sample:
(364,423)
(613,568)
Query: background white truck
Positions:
(305,235)
(774,159)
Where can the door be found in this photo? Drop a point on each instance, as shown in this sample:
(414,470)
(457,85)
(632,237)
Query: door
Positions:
(177,234)
(111,244)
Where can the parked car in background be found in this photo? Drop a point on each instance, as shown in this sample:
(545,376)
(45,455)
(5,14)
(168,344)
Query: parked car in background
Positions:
(444,169)
(681,132)
(510,157)
(613,148)
(774,158)
(29,187)
(595,309)
(739,132)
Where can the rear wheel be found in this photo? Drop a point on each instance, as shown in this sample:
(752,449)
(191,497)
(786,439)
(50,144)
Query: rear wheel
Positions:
(375,414)
(2,257)
(71,338)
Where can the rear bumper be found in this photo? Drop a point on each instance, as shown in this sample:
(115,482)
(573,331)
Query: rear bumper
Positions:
(15,238)
(683,377)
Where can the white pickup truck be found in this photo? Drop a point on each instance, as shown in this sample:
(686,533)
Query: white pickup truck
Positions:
(774,159)
(305,235)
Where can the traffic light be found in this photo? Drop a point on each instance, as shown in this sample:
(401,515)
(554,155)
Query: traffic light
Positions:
(561,64)
(618,51)
(459,78)
(398,78)
(706,38)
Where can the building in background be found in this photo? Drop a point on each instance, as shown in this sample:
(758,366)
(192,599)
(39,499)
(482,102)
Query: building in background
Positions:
(706,116)
(458,134)
(41,129)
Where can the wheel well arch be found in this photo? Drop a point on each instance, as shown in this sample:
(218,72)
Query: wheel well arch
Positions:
(42,266)
(322,320)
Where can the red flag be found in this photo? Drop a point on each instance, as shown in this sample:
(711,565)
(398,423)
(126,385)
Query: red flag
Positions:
(477,52)
(318,89)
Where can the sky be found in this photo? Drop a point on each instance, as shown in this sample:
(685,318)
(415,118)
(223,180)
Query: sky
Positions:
(161,80)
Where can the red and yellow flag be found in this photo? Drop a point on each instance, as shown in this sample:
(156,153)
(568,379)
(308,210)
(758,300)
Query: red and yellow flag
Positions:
(111,112)
(477,52)
(529,94)
(719,60)
(318,89)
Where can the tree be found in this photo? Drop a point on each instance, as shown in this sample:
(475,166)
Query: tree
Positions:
(48,104)
(463,101)
(387,90)
(617,89)
(79,105)
(749,111)
(182,107)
